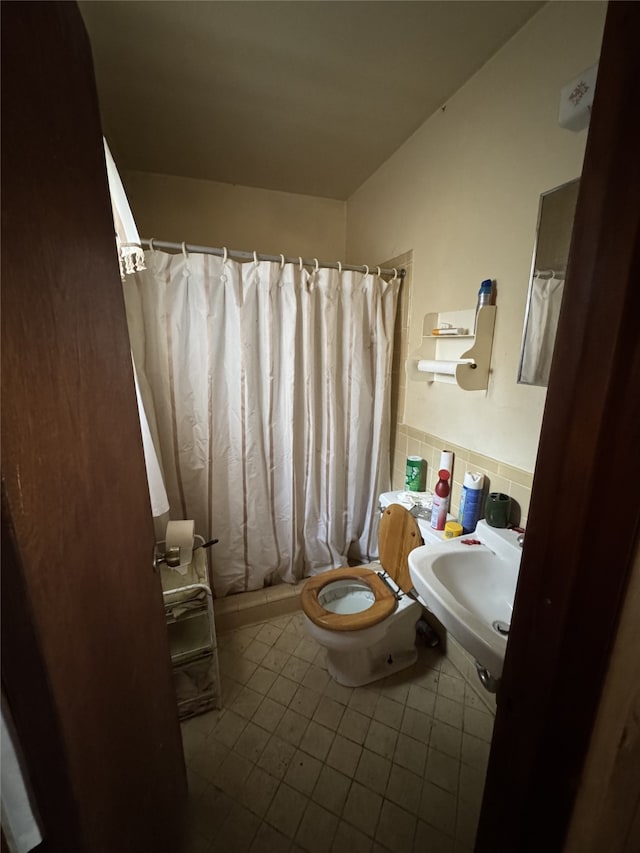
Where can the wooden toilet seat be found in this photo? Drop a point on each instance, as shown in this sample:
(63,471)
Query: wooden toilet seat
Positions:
(398,535)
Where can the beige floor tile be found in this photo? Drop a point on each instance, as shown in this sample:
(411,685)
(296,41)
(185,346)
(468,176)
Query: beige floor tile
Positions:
(354,725)
(344,755)
(286,810)
(269,840)
(258,791)
(381,739)
(233,773)
(338,692)
(317,740)
(331,789)
(197,784)
(467,824)
(404,788)
(389,712)
(276,757)
(295,669)
(292,727)
(316,678)
(192,741)
(411,753)
(448,711)
(471,785)
(421,699)
(193,842)
(451,688)
(238,830)
(438,808)
(276,660)
(229,690)
(478,723)
(428,679)
(203,723)
(364,701)
(316,830)
(305,701)
(417,725)
(261,680)
(246,702)
(362,808)
(256,651)
(269,714)
(286,643)
(428,839)
(443,770)
(328,713)
(205,816)
(446,738)
(282,690)
(306,649)
(239,668)
(268,634)
(229,728)
(475,751)
(373,771)
(303,772)
(348,839)
(208,759)
(252,741)
(395,687)
(396,828)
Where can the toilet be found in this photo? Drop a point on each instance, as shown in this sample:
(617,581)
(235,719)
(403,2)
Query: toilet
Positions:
(365,617)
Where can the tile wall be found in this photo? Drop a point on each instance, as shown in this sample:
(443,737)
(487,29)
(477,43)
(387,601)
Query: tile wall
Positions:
(407,441)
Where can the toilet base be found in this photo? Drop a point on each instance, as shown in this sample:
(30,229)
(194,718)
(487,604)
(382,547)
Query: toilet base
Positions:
(364,666)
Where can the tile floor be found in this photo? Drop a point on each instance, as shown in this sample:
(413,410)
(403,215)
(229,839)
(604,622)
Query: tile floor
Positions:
(296,762)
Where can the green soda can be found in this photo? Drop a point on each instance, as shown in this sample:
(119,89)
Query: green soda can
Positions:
(413,478)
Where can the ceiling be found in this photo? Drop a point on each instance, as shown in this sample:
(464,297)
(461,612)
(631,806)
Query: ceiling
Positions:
(305,96)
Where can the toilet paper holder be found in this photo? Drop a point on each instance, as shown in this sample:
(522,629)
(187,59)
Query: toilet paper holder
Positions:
(171,556)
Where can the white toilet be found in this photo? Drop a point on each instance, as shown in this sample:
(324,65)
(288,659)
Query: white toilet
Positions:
(365,617)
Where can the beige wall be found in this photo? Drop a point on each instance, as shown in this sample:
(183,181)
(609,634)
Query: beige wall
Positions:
(215,214)
(462,194)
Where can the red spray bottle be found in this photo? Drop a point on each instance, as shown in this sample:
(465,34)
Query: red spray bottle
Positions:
(440,500)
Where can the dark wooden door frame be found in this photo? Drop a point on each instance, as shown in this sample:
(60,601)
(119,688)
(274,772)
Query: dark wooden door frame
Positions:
(585,513)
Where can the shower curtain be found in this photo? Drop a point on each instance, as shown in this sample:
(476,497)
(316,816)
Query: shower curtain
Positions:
(270,388)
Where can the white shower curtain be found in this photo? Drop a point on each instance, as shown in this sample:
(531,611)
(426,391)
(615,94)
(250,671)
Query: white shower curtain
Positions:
(270,386)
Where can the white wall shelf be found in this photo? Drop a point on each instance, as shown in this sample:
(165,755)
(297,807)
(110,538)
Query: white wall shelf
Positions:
(446,350)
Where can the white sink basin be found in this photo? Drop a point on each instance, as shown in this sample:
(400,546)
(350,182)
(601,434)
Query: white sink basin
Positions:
(470,589)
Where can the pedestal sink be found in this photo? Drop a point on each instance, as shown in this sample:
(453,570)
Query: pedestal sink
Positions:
(469,584)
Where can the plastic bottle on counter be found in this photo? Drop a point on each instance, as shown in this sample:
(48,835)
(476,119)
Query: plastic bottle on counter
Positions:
(470,501)
(440,500)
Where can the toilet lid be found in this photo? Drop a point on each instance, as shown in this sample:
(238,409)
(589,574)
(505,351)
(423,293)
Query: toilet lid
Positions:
(397,536)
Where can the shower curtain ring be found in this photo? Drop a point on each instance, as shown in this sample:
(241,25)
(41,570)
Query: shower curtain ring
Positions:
(151,246)
(395,274)
(316,265)
(184,251)
(225,255)
(366,270)
(300,262)
(339,266)
(281,262)
(378,271)
(255,258)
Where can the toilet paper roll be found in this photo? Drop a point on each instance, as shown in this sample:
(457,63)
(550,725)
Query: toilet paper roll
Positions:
(446,461)
(180,535)
(448,368)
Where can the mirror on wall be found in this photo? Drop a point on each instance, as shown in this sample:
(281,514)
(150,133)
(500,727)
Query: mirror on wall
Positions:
(551,252)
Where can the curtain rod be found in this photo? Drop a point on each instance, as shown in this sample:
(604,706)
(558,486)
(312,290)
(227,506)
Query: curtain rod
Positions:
(250,256)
